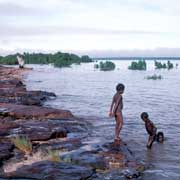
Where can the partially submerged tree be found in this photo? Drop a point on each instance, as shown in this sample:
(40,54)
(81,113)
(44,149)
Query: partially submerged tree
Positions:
(140,65)
(154,77)
(105,66)
(159,65)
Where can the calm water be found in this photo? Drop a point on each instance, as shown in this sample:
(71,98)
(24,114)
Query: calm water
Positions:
(88,93)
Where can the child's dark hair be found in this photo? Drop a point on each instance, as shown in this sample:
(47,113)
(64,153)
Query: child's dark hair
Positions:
(144,115)
(160,134)
(120,87)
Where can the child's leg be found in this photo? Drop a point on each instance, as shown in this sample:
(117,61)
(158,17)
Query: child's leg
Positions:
(119,123)
(151,140)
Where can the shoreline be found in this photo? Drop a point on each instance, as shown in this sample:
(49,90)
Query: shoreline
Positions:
(22,113)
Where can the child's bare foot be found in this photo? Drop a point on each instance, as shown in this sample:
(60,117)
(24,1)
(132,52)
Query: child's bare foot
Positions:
(117,140)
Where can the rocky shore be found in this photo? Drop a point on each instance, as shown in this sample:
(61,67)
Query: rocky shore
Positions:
(44,143)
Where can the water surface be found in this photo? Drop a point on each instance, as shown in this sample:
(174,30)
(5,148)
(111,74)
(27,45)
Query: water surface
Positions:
(88,93)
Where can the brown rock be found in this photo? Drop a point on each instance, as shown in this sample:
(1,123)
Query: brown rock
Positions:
(35,112)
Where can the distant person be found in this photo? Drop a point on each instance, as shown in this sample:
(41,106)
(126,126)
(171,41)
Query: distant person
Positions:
(150,128)
(20,61)
(116,110)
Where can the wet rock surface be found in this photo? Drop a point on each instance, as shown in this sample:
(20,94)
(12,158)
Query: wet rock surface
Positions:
(53,170)
(55,133)
(5,150)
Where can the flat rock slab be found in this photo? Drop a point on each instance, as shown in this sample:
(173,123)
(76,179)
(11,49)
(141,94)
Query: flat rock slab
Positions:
(47,170)
(35,112)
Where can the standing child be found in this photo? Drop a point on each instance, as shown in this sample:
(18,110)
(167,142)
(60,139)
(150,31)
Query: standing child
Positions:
(116,110)
(150,128)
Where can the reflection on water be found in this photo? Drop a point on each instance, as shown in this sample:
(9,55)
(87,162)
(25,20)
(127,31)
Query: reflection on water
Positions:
(88,92)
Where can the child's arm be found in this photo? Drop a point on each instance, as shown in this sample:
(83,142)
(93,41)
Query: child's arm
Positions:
(117,103)
(154,128)
(111,107)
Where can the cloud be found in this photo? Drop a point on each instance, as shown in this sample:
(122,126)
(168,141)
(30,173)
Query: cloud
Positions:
(17,31)
(90,24)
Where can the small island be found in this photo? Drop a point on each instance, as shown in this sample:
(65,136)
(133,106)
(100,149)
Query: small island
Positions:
(140,65)
(105,66)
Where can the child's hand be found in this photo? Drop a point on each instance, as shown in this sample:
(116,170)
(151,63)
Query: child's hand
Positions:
(111,114)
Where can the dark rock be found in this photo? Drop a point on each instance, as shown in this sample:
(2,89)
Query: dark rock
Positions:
(46,170)
(4,112)
(6,125)
(21,96)
(5,150)
(87,159)
(42,130)
(120,148)
(34,96)
(54,144)
(14,81)
(131,173)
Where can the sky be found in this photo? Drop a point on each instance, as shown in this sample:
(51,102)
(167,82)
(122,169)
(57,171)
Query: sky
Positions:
(94,27)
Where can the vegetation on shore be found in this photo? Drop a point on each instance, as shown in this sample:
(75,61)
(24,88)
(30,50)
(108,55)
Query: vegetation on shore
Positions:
(53,155)
(154,77)
(105,66)
(59,59)
(140,65)
(168,65)
(23,144)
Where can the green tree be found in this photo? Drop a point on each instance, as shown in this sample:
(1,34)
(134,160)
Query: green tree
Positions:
(140,65)
(106,66)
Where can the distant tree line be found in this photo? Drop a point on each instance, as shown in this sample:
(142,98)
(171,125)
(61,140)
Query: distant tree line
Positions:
(59,59)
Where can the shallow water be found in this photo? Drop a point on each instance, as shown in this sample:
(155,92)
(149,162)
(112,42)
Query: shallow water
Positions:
(88,93)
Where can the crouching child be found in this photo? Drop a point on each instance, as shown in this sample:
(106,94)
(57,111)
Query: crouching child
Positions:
(150,128)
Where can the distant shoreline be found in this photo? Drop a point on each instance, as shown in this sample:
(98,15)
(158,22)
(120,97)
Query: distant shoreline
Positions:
(136,58)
